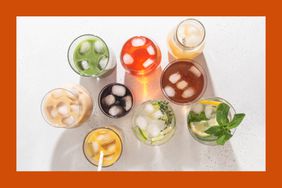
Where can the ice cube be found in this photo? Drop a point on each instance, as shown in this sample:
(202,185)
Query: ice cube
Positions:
(62,109)
(198,108)
(57,93)
(118,90)
(192,40)
(141,122)
(75,108)
(103,138)
(153,130)
(149,108)
(99,46)
(85,46)
(84,64)
(53,113)
(109,100)
(212,122)
(209,110)
(136,42)
(127,59)
(111,148)
(189,92)
(169,91)
(158,114)
(109,158)
(174,77)
(95,147)
(182,84)
(160,123)
(115,110)
(103,62)
(151,50)
(128,102)
(195,71)
(70,120)
(148,62)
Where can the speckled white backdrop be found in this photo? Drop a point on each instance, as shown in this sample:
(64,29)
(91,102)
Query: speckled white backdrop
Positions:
(234,58)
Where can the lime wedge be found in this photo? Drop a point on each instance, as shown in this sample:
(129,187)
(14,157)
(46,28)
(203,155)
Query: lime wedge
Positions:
(199,128)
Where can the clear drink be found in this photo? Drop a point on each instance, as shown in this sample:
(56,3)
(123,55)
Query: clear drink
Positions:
(89,55)
(154,122)
(67,107)
(103,139)
(213,121)
(187,39)
(140,55)
(115,100)
(183,81)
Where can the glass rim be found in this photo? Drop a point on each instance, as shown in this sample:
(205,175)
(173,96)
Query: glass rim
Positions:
(74,125)
(155,59)
(206,142)
(194,63)
(100,98)
(138,109)
(200,43)
(97,128)
(70,58)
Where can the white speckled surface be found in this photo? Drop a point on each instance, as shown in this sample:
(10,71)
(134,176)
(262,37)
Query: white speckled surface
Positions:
(234,57)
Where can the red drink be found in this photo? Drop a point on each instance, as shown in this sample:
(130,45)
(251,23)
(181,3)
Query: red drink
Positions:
(183,81)
(140,55)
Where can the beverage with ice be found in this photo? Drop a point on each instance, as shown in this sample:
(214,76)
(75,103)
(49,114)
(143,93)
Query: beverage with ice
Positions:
(154,122)
(67,107)
(140,55)
(115,100)
(213,121)
(89,55)
(183,81)
(106,140)
(187,39)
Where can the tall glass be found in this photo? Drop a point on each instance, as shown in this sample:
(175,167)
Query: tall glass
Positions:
(187,39)
(140,55)
(89,55)
(183,81)
(67,107)
(154,122)
(106,139)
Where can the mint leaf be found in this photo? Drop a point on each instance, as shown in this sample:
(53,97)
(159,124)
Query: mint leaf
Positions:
(216,131)
(223,138)
(222,114)
(237,119)
(194,117)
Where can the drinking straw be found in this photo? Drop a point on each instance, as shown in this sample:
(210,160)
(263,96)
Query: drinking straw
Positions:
(100,164)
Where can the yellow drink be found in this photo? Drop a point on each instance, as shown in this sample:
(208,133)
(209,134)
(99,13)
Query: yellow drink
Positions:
(106,140)
(186,41)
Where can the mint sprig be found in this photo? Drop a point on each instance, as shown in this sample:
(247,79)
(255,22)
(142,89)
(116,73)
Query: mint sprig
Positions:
(223,131)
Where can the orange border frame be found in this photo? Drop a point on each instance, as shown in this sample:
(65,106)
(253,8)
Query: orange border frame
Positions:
(147,7)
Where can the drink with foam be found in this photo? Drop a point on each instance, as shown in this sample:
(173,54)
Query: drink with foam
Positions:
(154,122)
(105,139)
(183,81)
(89,55)
(67,107)
(140,55)
(187,39)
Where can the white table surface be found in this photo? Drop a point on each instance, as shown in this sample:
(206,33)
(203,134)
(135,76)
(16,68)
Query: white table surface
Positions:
(234,57)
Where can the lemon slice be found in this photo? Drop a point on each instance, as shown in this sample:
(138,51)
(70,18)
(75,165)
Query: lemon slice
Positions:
(199,128)
(210,102)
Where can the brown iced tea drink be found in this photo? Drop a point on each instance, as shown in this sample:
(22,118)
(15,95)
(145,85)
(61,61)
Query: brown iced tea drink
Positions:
(183,81)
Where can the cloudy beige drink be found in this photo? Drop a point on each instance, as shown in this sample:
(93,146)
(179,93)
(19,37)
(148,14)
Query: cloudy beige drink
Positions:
(187,39)
(105,140)
(67,107)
